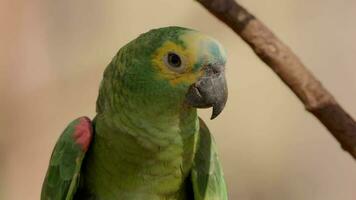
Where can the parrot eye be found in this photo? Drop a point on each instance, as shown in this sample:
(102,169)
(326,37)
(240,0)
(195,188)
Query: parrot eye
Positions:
(174,62)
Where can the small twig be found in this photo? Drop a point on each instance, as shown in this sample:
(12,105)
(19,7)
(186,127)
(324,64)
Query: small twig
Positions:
(289,68)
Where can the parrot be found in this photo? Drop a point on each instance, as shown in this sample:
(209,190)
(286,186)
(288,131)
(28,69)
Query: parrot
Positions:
(146,140)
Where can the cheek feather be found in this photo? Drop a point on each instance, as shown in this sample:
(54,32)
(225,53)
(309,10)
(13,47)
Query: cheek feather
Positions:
(188,78)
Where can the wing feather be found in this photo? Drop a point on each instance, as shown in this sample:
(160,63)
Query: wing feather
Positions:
(206,175)
(63,172)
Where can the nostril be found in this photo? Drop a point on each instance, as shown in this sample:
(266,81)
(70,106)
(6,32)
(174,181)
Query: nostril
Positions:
(215,70)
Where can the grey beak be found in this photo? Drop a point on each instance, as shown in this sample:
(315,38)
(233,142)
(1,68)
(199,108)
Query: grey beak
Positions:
(210,90)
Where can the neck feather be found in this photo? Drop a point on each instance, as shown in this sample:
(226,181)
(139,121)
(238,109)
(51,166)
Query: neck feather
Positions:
(155,123)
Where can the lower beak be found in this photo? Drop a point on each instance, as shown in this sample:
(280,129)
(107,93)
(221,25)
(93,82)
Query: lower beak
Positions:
(210,90)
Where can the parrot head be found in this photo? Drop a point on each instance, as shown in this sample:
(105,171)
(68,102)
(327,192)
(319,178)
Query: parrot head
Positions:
(169,67)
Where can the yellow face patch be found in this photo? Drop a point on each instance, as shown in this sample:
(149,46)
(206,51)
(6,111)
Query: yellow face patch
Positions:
(187,57)
(195,50)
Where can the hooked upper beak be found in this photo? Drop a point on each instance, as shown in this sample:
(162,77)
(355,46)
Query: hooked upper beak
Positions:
(210,90)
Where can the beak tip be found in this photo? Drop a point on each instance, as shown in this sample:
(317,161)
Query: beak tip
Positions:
(213,116)
(217,109)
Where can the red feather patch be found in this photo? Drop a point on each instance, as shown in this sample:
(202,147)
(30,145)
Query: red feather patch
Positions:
(83,133)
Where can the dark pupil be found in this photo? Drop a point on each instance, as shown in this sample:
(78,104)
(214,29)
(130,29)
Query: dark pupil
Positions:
(174,60)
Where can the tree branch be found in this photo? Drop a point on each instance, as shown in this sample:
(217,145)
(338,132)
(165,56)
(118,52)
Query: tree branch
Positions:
(289,68)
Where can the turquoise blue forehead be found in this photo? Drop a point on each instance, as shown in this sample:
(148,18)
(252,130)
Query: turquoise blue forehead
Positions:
(217,51)
(210,50)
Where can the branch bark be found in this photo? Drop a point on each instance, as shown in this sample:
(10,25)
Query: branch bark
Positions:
(278,56)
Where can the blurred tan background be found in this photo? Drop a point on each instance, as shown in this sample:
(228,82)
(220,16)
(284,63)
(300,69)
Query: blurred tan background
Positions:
(53,53)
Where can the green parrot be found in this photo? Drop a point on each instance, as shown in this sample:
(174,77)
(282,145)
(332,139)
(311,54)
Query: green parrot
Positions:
(147,141)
